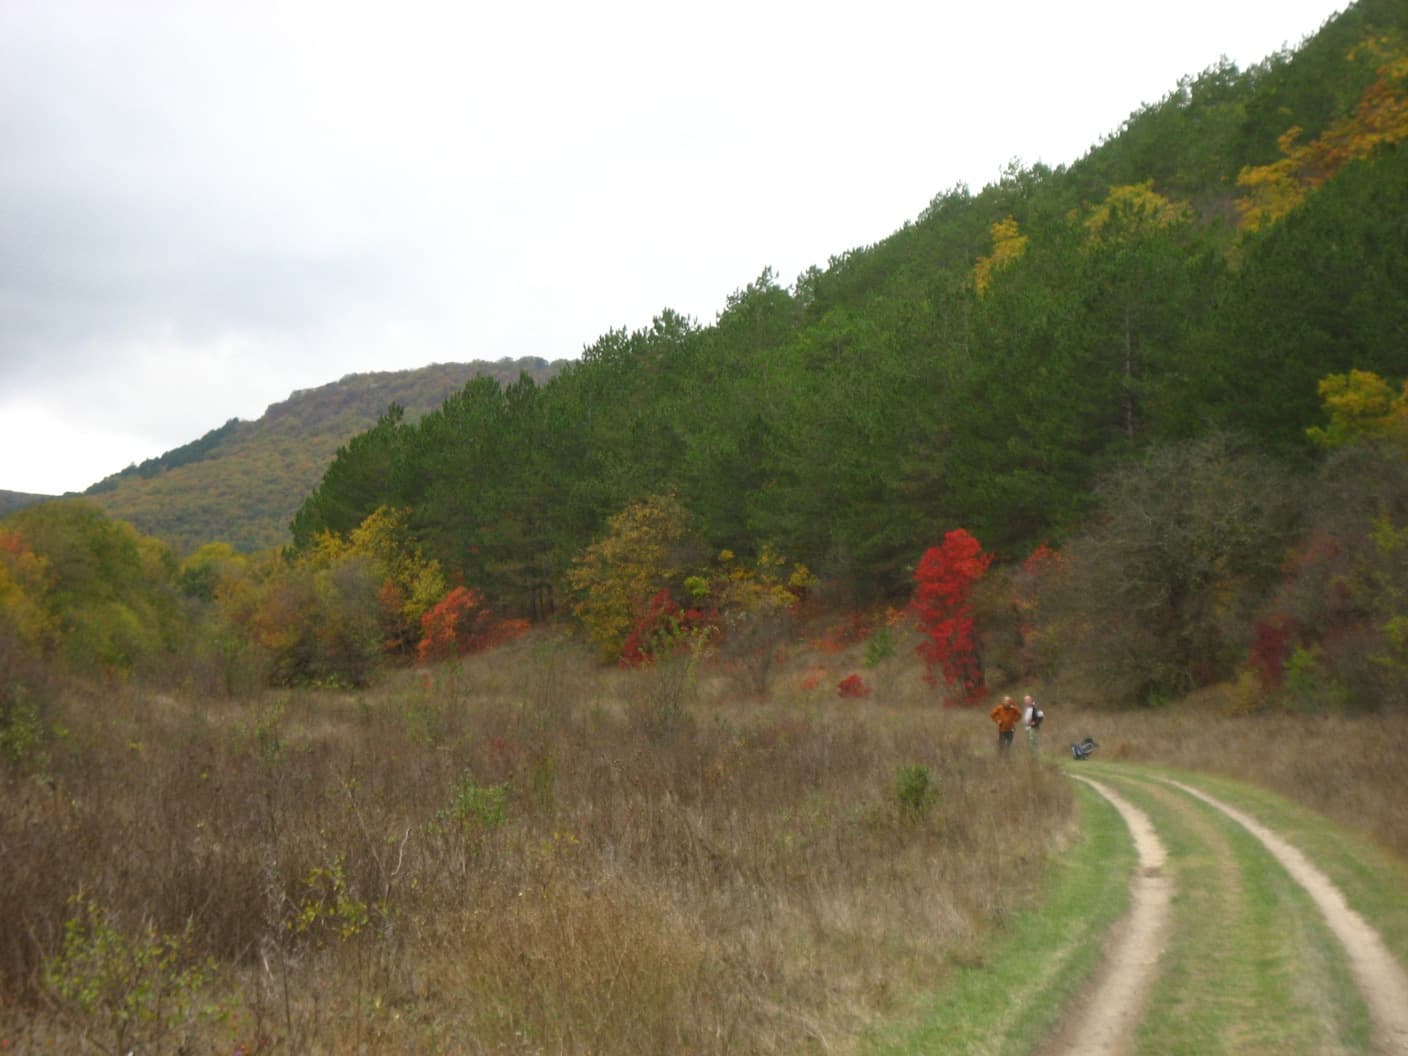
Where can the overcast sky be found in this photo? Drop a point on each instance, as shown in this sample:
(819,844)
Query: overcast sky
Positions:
(207,205)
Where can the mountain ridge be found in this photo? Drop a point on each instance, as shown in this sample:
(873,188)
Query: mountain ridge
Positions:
(242,482)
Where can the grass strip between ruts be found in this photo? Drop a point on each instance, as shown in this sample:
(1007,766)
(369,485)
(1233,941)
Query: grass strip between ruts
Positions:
(1038,963)
(1250,965)
(1372,879)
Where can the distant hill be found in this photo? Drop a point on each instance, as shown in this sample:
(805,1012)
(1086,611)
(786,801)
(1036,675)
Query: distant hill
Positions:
(15,500)
(242,482)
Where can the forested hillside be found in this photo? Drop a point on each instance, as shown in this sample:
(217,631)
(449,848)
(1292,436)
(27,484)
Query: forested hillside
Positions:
(242,482)
(1131,430)
(1201,270)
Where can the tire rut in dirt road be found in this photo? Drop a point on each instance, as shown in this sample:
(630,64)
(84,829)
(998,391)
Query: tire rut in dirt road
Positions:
(1105,1021)
(1251,968)
(1381,979)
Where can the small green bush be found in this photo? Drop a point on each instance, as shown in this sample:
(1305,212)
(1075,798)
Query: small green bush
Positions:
(879,648)
(142,987)
(21,727)
(484,806)
(916,790)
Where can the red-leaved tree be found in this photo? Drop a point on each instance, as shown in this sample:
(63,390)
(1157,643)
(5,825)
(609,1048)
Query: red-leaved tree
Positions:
(942,585)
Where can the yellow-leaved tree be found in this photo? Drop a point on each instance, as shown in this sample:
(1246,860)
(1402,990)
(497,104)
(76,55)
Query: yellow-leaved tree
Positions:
(645,550)
(755,605)
(411,583)
(1008,245)
(27,626)
(1133,209)
(1361,406)
(1379,118)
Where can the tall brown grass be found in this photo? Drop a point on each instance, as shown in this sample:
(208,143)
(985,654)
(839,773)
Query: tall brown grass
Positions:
(524,853)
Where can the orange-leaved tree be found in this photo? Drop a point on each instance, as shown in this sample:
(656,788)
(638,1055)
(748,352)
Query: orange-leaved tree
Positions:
(459,623)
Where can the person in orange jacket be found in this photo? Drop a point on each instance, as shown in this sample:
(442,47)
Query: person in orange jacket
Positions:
(1006,715)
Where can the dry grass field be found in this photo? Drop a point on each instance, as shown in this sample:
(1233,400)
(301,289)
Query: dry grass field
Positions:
(529,853)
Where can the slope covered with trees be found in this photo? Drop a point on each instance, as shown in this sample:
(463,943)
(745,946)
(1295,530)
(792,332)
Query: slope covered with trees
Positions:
(1202,269)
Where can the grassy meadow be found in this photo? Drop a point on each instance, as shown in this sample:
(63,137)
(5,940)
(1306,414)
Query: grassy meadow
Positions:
(524,853)
(530,853)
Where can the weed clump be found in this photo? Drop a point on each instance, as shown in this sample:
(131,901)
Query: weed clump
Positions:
(916,791)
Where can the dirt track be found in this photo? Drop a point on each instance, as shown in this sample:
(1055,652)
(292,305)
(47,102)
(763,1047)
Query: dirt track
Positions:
(1381,979)
(1103,1024)
(1105,1021)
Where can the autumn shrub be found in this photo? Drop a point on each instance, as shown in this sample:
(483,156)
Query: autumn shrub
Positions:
(459,623)
(853,687)
(316,625)
(758,603)
(410,582)
(1341,596)
(665,627)
(839,636)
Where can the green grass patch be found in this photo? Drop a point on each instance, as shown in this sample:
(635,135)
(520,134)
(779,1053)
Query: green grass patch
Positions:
(1250,966)
(1038,963)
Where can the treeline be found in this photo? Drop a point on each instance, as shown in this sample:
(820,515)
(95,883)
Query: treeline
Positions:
(1205,563)
(180,456)
(84,595)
